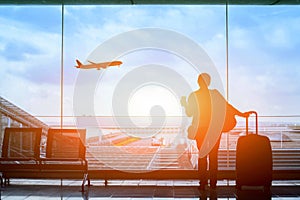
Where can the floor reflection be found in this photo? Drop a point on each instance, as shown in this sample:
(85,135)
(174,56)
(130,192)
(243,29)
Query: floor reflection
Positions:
(28,189)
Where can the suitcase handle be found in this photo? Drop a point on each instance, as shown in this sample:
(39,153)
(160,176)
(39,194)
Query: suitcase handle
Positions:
(256,122)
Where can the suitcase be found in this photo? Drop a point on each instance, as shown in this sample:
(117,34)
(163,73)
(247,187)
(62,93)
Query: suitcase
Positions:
(253,159)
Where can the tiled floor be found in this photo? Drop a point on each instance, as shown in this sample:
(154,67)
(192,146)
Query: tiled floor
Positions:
(139,189)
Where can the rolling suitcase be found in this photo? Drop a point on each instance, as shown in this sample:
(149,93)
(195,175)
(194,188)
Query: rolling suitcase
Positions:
(253,159)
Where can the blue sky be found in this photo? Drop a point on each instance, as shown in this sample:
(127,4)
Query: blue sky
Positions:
(264,46)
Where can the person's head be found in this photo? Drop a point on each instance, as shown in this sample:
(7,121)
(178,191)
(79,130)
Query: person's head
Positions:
(204,80)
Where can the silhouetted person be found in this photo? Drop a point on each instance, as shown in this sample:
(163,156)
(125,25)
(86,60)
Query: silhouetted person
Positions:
(200,106)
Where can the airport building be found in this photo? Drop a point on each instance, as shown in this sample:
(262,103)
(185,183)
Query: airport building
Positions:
(116,72)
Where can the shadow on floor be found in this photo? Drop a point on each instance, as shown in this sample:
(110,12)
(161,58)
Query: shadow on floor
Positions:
(121,192)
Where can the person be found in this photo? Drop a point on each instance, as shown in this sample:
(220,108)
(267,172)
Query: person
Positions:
(201,104)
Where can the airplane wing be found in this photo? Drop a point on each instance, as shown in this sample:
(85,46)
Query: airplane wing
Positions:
(92,62)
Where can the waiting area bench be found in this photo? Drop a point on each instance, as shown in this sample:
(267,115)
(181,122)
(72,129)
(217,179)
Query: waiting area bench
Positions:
(64,158)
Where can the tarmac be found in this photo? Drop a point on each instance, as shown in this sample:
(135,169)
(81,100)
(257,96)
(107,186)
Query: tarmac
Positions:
(143,189)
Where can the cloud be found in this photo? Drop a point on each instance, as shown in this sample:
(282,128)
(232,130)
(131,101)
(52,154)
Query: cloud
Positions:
(28,53)
(18,52)
(30,65)
(37,99)
(263,65)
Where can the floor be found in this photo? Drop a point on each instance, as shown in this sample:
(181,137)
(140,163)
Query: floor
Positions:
(143,189)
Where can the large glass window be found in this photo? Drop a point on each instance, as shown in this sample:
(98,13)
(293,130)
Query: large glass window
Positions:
(88,27)
(264,68)
(30,59)
(137,106)
(133,108)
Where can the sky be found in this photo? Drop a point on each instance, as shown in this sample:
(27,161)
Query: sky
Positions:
(263,43)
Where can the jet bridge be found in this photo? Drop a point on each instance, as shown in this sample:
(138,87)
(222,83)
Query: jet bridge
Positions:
(17,117)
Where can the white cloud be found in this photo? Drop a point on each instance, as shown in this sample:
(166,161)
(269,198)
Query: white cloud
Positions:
(29,67)
(39,100)
(29,53)
(264,69)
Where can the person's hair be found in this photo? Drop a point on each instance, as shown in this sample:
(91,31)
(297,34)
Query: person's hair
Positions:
(204,78)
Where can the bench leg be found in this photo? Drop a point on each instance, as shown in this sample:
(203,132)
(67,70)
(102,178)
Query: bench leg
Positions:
(85,178)
(6,181)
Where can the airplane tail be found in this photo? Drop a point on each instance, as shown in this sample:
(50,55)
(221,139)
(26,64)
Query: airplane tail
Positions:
(78,63)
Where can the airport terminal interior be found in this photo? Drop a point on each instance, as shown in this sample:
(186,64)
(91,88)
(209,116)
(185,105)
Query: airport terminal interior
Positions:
(106,80)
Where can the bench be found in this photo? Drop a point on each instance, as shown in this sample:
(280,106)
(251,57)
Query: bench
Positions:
(20,153)
(64,159)
(65,155)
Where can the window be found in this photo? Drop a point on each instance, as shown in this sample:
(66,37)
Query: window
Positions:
(134,109)
(30,59)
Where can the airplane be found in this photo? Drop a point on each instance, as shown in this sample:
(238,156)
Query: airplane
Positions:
(97,66)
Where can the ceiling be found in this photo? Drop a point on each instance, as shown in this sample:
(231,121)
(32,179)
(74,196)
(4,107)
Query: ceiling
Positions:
(153,2)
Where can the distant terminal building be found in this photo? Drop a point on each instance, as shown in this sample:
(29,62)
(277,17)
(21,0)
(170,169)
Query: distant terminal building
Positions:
(13,116)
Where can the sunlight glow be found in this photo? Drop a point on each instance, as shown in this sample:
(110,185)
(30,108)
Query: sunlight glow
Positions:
(148,96)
